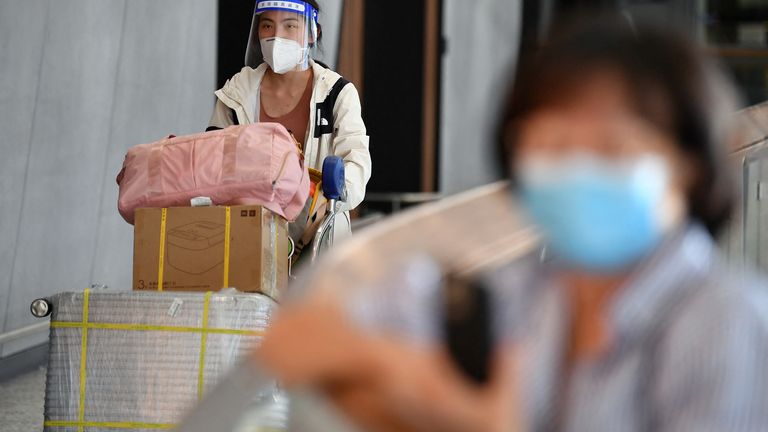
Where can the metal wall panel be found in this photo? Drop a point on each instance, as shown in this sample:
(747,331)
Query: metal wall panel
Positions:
(21,45)
(482,40)
(70,132)
(90,78)
(165,84)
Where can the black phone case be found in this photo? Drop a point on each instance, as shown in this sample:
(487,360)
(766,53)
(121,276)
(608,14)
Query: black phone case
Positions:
(467,326)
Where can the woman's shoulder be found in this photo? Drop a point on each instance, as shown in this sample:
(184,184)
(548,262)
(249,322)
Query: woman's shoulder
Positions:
(699,287)
(712,353)
(733,292)
(730,303)
(326,78)
(323,72)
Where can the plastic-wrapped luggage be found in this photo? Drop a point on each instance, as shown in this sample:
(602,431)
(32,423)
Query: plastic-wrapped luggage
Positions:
(257,164)
(138,361)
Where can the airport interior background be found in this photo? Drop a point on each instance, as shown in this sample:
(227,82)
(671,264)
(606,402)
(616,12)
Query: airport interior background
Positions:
(81,81)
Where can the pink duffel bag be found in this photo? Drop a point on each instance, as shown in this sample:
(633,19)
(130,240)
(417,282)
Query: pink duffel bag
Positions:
(240,165)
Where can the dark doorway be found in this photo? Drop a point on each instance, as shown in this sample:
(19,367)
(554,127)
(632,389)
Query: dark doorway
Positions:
(393,97)
(234,25)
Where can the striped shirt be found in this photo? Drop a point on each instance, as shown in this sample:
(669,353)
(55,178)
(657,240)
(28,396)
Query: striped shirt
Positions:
(689,350)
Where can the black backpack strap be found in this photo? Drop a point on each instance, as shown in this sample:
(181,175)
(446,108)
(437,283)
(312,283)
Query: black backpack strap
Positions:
(321,63)
(324,122)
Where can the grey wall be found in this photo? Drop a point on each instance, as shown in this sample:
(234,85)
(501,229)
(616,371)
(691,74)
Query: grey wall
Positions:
(80,82)
(330,19)
(483,39)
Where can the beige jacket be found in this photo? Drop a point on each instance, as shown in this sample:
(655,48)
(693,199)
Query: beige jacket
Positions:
(347,140)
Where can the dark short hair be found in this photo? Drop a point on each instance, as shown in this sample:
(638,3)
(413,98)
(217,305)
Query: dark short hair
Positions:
(314,4)
(657,67)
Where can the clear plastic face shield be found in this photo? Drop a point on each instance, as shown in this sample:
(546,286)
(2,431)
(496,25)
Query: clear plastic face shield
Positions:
(282,34)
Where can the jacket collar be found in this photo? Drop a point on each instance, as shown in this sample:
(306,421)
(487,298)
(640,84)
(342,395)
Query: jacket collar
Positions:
(238,92)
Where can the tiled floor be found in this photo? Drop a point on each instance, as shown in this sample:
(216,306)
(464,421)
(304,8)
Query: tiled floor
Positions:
(21,402)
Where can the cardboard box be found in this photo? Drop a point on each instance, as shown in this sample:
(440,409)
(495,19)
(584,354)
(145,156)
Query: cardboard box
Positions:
(193,241)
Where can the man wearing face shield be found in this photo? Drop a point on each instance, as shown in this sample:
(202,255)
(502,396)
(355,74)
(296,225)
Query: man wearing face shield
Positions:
(281,83)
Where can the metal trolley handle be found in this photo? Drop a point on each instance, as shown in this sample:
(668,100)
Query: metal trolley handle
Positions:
(334,190)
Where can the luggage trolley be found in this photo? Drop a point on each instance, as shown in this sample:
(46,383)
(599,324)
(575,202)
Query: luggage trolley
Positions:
(274,407)
(334,190)
(331,181)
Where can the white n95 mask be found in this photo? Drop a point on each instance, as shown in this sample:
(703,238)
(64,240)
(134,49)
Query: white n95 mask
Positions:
(283,55)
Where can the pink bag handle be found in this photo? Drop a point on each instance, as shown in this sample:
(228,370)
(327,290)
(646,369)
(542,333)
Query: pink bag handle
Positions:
(154,168)
(229,159)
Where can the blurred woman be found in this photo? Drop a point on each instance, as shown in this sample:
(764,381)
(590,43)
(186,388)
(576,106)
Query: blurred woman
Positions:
(615,140)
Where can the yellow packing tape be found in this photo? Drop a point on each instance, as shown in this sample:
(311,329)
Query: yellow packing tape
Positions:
(203,337)
(161,260)
(126,425)
(107,425)
(227,228)
(83,355)
(146,327)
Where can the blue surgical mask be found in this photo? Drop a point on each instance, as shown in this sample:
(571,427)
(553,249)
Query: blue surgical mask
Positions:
(598,215)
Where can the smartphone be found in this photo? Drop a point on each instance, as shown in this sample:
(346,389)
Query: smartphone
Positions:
(467,326)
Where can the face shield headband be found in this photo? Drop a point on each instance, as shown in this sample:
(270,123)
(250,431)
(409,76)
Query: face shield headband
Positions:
(295,6)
